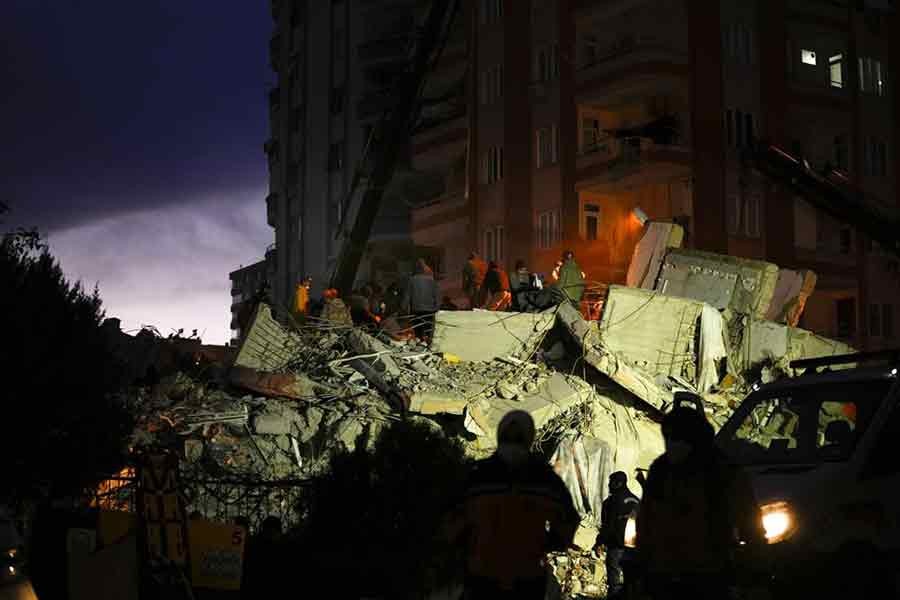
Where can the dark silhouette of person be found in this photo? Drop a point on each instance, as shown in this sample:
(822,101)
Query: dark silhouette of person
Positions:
(618,507)
(264,563)
(514,510)
(422,298)
(695,511)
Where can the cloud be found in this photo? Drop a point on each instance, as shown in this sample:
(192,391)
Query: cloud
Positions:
(169,266)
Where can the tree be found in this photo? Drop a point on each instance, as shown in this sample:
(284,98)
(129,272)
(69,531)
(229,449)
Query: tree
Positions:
(61,429)
(372,518)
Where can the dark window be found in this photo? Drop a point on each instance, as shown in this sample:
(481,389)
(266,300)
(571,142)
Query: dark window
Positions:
(748,128)
(874,320)
(882,459)
(337,100)
(729,126)
(846,240)
(887,321)
(336,156)
(296,117)
(739,128)
(846,318)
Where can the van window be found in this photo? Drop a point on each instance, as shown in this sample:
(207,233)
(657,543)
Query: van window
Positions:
(883,458)
(807,424)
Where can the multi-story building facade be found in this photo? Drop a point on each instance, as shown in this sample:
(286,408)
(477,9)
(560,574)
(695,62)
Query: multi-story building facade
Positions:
(246,282)
(577,112)
(336,63)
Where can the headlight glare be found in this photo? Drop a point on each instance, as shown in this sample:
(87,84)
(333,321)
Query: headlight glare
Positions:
(778,521)
(630,532)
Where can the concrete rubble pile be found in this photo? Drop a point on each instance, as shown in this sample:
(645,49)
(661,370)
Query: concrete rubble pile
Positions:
(690,321)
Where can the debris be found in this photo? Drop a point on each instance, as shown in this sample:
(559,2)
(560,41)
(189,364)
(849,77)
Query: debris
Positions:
(725,282)
(287,385)
(789,299)
(650,252)
(481,335)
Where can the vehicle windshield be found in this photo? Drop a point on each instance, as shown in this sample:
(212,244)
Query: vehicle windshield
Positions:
(808,424)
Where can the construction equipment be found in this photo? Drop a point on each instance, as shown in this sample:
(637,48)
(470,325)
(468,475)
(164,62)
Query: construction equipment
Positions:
(394,131)
(832,193)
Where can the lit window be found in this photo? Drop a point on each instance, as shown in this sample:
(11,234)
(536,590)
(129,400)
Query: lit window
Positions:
(808,57)
(836,67)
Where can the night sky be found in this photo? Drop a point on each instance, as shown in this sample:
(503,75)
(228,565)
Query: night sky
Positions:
(132,137)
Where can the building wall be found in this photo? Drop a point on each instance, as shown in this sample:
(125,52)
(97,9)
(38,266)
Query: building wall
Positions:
(706,63)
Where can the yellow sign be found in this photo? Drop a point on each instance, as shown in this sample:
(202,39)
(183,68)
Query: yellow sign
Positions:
(217,554)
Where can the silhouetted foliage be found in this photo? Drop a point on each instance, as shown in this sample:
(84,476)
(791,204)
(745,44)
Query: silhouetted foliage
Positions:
(60,429)
(372,520)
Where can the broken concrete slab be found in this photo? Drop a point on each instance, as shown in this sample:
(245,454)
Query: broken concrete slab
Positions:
(650,252)
(482,335)
(765,342)
(554,396)
(586,335)
(379,352)
(725,282)
(653,332)
(433,402)
(277,385)
(268,346)
(791,293)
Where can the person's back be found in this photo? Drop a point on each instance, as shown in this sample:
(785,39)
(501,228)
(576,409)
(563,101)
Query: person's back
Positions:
(695,508)
(422,291)
(571,281)
(515,509)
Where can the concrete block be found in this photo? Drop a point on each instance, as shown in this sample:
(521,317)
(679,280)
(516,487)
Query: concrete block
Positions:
(650,252)
(789,298)
(725,282)
(481,335)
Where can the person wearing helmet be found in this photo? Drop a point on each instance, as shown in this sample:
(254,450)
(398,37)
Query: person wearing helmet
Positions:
(695,512)
(513,511)
(618,507)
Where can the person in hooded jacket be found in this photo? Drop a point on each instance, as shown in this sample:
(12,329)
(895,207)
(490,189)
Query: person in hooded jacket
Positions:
(695,511)
(513,511)
(618,507)
(422,299)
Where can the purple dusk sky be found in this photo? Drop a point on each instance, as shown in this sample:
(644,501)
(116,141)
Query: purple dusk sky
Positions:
(132,138)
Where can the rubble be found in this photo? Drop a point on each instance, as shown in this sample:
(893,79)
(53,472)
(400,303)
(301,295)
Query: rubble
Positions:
(294,397)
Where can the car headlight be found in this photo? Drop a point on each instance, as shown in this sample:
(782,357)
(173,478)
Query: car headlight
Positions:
(630,532)
(778,521)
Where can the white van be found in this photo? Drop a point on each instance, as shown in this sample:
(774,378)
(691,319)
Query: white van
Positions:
(823,452)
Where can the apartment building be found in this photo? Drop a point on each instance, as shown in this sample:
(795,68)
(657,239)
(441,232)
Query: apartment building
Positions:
(335,62)
(578,112)
(245,283)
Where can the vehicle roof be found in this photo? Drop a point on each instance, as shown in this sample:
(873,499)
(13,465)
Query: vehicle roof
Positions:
(836,376)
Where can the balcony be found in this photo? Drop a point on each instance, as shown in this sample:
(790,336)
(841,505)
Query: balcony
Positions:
(631,58)
(614,158)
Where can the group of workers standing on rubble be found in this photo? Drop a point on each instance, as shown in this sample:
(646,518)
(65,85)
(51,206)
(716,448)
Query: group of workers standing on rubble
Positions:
(695,512)
(487,286)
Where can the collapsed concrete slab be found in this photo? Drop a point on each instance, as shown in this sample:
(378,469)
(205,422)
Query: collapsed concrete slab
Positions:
(268,346)
(776,345)
(791,293)
(554,396)
(725,282)
(275,385)
(650,252)
(586,335)
(482,335)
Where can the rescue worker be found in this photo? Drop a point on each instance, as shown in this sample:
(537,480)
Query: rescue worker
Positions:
(301,299)
(473,278)
(695,511)
(514,511)
(334,310)
(618,507)
(422,299)
(519,283)
(496,288)
(570,283)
